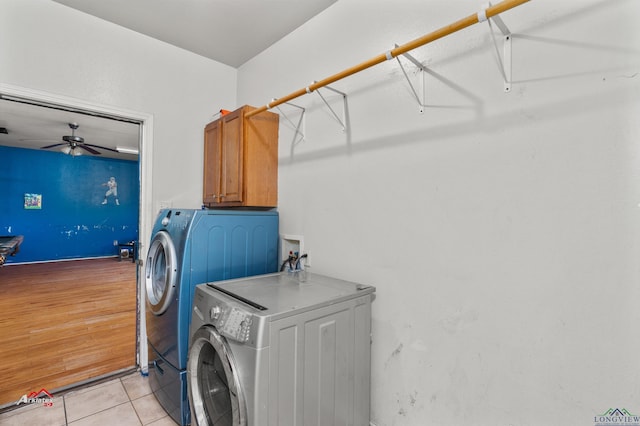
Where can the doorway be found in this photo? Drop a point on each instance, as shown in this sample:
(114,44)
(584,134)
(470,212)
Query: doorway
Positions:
(145,124)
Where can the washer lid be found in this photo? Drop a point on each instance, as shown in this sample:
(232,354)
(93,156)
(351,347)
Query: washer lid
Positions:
(286,292)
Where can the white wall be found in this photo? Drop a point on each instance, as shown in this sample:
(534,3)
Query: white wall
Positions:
(500,229)
(54,49)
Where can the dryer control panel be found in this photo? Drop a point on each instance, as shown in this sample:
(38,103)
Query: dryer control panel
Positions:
(231,322)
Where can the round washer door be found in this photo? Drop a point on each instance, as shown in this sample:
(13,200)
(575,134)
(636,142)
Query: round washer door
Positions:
(161,272)
(214,387)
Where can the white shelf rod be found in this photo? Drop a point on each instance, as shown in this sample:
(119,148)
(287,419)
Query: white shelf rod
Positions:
(504,61)
(344,106)
(422,70)
(295,127)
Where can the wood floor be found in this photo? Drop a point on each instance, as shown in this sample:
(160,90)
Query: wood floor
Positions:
(65,322)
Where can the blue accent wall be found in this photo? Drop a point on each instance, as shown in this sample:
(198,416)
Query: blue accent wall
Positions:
(73,221)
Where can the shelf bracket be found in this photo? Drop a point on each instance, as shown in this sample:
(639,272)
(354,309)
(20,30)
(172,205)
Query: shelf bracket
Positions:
(421,70)
(299,127)
(344,106)
(504,60)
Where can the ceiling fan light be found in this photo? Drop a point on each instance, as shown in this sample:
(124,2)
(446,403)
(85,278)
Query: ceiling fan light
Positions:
(76,152)
(66,149)
(73,138)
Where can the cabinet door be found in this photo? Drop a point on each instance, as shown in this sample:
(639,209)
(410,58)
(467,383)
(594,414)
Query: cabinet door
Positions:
(212,162)
(232,160)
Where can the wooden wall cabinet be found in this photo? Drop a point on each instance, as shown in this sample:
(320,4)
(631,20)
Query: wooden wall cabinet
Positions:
(241,160)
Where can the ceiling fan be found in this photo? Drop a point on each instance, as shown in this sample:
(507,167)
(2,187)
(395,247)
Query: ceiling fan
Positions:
(74,143)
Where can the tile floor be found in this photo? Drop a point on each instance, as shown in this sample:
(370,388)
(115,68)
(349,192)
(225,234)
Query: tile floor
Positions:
(125,401)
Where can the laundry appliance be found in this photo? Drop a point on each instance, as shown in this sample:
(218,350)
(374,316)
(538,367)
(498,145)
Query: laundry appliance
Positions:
(190,247)
(291,348)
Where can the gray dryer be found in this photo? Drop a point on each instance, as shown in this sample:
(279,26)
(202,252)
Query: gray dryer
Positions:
(280,349)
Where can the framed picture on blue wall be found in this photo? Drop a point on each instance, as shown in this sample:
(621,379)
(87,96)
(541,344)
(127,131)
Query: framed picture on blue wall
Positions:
(32,201)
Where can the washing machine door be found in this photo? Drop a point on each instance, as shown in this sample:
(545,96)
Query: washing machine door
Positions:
(215,393)
(161,272)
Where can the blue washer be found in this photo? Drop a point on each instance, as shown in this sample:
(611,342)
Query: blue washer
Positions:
(190,247)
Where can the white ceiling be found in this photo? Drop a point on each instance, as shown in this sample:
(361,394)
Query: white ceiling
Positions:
(227,31)
(34,127)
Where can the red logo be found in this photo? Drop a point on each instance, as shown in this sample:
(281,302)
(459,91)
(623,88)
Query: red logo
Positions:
(43,397)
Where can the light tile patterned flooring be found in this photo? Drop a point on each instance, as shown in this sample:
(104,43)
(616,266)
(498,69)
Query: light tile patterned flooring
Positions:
(125,401)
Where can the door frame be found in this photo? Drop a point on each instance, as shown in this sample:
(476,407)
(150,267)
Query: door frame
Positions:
(145,164)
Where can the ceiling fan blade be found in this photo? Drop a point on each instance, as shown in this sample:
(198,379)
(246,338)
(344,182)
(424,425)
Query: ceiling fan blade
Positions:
(101,147)
(54,145)
(91,150)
